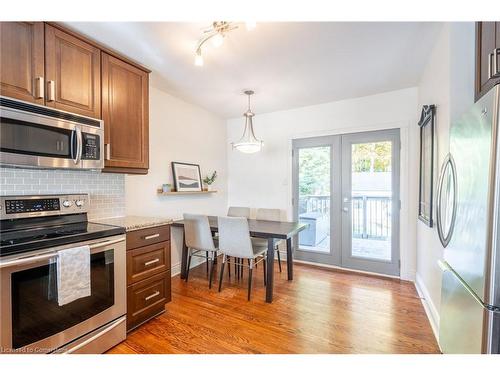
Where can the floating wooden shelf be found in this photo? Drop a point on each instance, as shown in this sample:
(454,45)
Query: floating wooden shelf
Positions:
(160,192)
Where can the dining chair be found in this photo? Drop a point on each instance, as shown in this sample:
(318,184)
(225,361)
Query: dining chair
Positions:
(239,212)
(198,237)
(269,214)
(234,211)
(234,241)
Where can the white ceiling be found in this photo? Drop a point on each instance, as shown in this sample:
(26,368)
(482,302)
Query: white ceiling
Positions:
(287,64)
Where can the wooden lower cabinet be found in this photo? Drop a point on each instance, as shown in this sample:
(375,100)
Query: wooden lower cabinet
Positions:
(148,274)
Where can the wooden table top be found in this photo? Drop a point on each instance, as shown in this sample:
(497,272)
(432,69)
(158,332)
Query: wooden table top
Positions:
(261,228)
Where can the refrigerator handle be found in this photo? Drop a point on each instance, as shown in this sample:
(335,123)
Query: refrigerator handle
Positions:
(448,164)
(445,267)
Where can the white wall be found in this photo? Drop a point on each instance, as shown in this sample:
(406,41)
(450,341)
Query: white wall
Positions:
(447,82)
(264,179)
(179,131)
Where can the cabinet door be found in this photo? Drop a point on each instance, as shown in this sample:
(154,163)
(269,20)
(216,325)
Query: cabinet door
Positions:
(73,74)
(486,42)
(21,61)
(125,115)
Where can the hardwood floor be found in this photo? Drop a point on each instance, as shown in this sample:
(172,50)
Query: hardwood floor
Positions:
(320,311)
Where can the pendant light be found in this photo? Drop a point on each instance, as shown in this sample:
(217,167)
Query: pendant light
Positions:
(248,143)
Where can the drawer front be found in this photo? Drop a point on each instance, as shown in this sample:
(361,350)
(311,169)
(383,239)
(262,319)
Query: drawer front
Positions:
(147,298)
(148,236)
(147,261)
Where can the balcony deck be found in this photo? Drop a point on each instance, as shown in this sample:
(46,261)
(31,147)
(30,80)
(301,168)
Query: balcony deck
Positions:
(361,247)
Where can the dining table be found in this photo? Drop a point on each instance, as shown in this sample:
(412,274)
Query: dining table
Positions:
(272,231)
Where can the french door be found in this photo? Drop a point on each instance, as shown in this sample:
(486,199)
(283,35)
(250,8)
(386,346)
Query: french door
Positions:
(346,188)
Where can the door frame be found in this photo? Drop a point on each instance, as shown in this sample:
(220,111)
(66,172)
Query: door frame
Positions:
(334,256)
(366,264)
(335,259)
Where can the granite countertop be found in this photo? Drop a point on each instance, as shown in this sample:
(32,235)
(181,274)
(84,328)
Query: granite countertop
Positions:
(131,223)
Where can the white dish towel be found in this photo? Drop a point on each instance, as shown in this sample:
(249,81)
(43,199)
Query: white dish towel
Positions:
(73,274)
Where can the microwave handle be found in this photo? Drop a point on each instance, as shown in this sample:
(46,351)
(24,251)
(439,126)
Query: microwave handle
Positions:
(76,155)
(79,144)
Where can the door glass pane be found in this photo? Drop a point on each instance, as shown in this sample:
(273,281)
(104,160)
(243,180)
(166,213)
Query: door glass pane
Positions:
(36,313)
(314,198)
(371,200)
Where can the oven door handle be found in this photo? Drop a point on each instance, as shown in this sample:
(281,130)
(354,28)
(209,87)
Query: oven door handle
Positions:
(105,243)
(27,260)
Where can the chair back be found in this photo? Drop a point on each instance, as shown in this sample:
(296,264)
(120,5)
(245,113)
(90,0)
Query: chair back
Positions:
(239,212)
(234,237)
(269,214)
(197,232)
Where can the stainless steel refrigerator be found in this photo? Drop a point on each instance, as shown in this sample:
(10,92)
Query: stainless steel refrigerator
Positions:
(468,215)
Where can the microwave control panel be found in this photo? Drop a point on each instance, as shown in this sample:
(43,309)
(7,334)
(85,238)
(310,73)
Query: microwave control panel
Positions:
(91,149)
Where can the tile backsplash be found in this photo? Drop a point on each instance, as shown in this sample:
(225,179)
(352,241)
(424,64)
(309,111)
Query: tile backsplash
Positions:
(106,190)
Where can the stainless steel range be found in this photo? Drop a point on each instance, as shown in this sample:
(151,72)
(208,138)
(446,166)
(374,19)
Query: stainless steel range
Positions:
(33,230)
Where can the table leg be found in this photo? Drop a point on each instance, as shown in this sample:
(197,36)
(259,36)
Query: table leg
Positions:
(270,270)
(289,258)
(184,256)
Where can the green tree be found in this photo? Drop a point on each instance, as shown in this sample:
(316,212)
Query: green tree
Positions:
(371,157)
(314,171)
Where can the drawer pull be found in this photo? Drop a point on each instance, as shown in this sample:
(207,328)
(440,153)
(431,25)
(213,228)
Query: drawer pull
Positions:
(157,293)
(152,262)
(151,236)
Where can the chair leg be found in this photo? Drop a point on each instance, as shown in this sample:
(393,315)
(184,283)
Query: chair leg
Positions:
(211,276)
(250,279)
(222,272)
(228,267)
(236,273)
(279,260)
(206,262)
(265,274)
(188,264)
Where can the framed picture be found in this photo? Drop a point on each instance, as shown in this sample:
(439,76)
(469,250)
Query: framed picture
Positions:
(187,177)
(426,179)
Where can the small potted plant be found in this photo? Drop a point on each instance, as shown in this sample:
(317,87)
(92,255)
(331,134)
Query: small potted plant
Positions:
(209,180)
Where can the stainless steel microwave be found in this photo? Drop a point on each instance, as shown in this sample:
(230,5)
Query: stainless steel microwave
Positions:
(35,136)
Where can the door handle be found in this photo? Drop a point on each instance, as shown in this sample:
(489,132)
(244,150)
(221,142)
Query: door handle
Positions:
(496,53)
(107,146)
(39,88)
(51,88)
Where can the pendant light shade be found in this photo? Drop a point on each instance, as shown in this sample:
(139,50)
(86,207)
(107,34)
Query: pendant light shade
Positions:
(248,143)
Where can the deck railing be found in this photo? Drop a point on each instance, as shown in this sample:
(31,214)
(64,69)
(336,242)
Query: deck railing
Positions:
(371,214)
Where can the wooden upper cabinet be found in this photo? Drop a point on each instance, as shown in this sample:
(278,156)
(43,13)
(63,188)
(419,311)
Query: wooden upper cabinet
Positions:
(22,61)
(73,73)
(125,113)
(487,41)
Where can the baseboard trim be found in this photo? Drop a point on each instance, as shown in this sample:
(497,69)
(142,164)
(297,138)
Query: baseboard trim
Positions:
(347,270)
(429,307)
(175,269)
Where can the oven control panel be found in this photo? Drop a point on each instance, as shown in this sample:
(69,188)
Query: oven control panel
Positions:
(15,207)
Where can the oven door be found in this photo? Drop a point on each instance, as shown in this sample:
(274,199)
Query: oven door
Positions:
(32,320)
(32,140)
